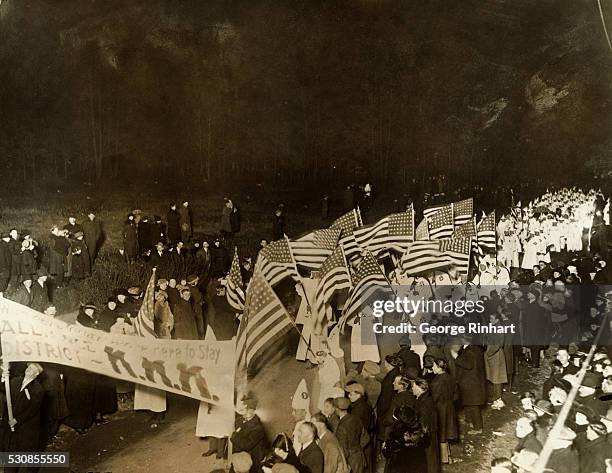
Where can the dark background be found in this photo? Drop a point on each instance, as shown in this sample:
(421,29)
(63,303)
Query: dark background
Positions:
(291,94)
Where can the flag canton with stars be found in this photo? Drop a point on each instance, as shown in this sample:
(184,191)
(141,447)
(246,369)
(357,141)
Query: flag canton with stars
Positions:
(346,223)
(368,267)
(457,245)
(464,207)
(327,238)
(277,251)
(466,230)
(401,224)
(442,217)
(487,224)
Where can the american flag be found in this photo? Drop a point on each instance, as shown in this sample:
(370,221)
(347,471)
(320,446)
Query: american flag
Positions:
(264,322)
(486,232)
(429,211)
(145,324)
(395,231)
(422,232)
(441,223)
(458,251)
(235,285)
(276,263)
(311,250)
(463,211)
(468,230)
(335,276)
(347,223)
(423,256)
(368,280)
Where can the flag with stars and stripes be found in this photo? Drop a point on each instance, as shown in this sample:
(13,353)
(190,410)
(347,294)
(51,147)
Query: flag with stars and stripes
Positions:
(311,250)
(264,322)
(146,314)
(423,256)
(429,211)
(368,281)
(335,276)
(395,231)
(422,232)
(347,223)
(441,223)
(487,239)
(463,211)
(276,262)
(458,251)
(235,286)
(468,230)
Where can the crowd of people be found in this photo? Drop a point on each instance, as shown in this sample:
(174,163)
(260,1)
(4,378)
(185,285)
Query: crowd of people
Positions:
(401,414)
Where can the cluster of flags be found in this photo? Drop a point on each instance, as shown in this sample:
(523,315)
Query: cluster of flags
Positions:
(346,257)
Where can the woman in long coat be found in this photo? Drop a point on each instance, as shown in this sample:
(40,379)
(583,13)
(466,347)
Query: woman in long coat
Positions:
(27,396)
(444,393)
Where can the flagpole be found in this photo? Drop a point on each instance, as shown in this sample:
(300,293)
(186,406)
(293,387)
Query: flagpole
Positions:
(305,297)
(7,387)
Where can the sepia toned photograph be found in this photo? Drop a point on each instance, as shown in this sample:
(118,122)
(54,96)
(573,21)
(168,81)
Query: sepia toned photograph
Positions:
(272,236)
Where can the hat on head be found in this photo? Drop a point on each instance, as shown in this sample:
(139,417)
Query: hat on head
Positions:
(241,462)
(355,388)
(249,401)
(371,368)
(405,341)
(134,291)
(342,403)
(122,292)
(162,281)
(89,305)
(78,234)
(592,380)
(192,278)
(42,272)
(301,398)
(394,360)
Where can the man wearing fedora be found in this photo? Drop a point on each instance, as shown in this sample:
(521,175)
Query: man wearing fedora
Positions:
(40,291)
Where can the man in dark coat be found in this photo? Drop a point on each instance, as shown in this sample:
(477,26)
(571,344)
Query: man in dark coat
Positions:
(15,247)
(278,224)
(5,261)
(250,435)
(197,302)
(173,220)
(108,315)
(204,259)
(311,455)
(158,255)
(130,239)
(350,433)
(57,256)
(403,397)
(361,408)
(220,260)
(427,415)
(536,326)
(93,236)
(40,291)
(145,235)
(158,230)
(469,362)
(594,452)
(186,221)
(185,326)
(23,295)
(27,396)
(411,359)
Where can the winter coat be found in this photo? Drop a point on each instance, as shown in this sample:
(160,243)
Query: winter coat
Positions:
(27,263)
(40,296)
(92,231)
(27,405)
(5,259)
(145,237)
(174,227)
(250,437)
(443,389)
(185,327)
(471,376)
(186,221)
(81,264)
(164,320)
(58,254)
(220,261)
(278,227)
(235,220)
(130,240)
(495,361)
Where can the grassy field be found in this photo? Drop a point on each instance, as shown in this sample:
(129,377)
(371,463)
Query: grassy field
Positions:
(111,272)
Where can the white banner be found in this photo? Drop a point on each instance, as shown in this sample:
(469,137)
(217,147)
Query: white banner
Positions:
(203,370)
